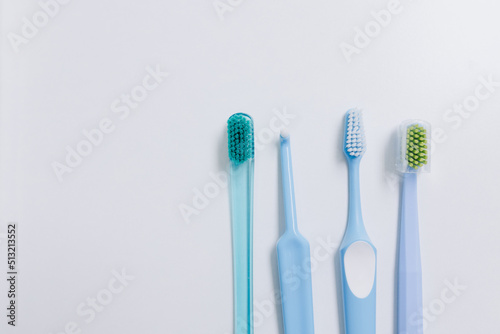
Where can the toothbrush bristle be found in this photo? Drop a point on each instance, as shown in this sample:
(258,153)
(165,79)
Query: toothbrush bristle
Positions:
(240,138)
(354,141)
(416,146)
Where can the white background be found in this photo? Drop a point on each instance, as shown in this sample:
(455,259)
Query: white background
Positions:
(120,208)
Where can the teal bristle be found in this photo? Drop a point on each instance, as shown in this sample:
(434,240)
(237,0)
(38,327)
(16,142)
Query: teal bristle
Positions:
(240,138)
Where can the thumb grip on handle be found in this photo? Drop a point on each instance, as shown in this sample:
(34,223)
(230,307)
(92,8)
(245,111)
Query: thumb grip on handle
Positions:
(358,266)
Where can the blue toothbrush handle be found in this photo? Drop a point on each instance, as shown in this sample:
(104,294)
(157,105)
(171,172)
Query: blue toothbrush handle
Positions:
(359,313)
(294,258)
(358,264)
(410,306)
(294,264)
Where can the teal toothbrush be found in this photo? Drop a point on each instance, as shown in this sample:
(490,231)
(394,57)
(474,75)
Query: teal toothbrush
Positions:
(358,256)
(241,155)
(294,258)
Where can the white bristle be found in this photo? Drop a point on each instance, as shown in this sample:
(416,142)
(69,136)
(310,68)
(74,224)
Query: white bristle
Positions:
(284,133)
(355,137)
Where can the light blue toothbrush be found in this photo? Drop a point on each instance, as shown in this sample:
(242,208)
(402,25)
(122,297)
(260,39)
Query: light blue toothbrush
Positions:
(294,259)
(241,155)
(358,256)
(414,159)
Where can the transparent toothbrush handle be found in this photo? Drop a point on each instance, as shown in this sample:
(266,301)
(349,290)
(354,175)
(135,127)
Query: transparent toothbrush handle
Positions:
(242,230)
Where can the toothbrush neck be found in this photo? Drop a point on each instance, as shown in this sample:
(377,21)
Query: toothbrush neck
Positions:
(355,215)
(288,189)
(290,214)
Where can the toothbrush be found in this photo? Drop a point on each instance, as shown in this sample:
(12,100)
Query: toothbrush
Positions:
(413,159)
(241,155)
(358,256)
(294,259)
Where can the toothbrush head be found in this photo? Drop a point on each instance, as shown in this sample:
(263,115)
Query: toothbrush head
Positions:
(414,151)
(354,138)
(240,138)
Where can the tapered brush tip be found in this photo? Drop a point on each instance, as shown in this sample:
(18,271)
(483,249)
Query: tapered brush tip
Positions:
(284,133)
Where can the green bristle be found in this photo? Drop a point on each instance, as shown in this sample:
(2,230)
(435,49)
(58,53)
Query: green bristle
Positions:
(240,138)
(416,146)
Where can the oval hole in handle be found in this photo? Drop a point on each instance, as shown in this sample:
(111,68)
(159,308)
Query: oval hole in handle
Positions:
(359,262)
